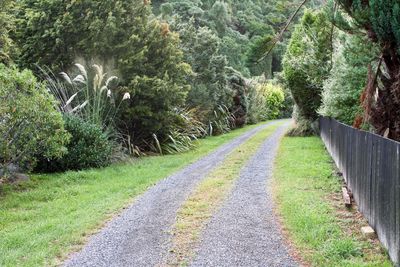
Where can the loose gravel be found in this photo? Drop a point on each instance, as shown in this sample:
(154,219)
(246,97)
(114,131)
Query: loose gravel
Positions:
(244,232)
(140,235)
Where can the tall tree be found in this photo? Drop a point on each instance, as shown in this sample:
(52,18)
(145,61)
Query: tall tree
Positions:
(5,41)
(346,82)
(123,36)
(380,19)
(307,64)
(209,84)
(239,24)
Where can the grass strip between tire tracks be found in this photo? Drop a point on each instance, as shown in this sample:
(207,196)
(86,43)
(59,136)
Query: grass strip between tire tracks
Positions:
(208,196)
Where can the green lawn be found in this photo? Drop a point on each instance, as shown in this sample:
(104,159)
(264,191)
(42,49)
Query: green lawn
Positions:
(50,216)
(305,189)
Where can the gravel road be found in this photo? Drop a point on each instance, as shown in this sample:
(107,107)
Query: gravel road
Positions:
(140,235)
(244,232)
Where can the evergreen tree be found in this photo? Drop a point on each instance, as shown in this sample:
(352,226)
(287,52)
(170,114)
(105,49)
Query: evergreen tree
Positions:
(343,88)
(6,45)
(209,85)
(124,37)
(241,25)
(307,65)
(380,19)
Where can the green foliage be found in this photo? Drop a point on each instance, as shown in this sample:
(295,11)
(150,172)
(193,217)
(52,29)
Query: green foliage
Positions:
(124,38)
(379,20)
(183,137)
(89,148)
(264,101)
(240,26)
(257,64)
(385,18)
(274,98)
(307,63)
(209,83)
(347,80)
(91,95)
(222,121)
(287,106)
(239,86)
(255,102)
(6,45)
(29,123)
(219,17)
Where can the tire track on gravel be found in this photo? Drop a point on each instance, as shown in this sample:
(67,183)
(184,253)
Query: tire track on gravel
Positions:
(140,235)
(245,232)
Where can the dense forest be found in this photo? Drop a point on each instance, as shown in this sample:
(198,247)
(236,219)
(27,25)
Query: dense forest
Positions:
(87,83)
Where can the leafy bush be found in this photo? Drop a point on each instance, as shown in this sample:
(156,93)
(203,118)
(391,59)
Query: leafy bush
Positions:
(221,122)
(89,147)
(347,80)
(287,106)
(302,126)
(255,102)
(307,63)
(29,123)
(265,101)
(274,99)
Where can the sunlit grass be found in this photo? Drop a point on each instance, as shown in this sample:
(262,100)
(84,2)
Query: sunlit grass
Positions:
(304,185)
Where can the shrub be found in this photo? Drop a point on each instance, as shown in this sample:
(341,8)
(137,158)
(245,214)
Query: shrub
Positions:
(307,63)
(274,99)
(183,135)
(255,102)
(29,122)
(302,127)
(343,88)
(264,101)
(89,147)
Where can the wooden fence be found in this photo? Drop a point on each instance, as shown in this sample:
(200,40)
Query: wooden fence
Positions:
(371,167)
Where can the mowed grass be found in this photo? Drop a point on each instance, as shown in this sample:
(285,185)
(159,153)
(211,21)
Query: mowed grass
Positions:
(45,219)
(207,198)
(307,193)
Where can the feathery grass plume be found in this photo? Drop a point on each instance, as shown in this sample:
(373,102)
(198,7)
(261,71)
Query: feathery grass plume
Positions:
(66,77)
(89,95)
(82,70)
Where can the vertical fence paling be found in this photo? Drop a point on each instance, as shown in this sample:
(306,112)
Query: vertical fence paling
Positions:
(371,167)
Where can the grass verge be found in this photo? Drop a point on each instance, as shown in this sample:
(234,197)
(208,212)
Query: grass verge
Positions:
(207,197)
(45,219)
(321,229)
